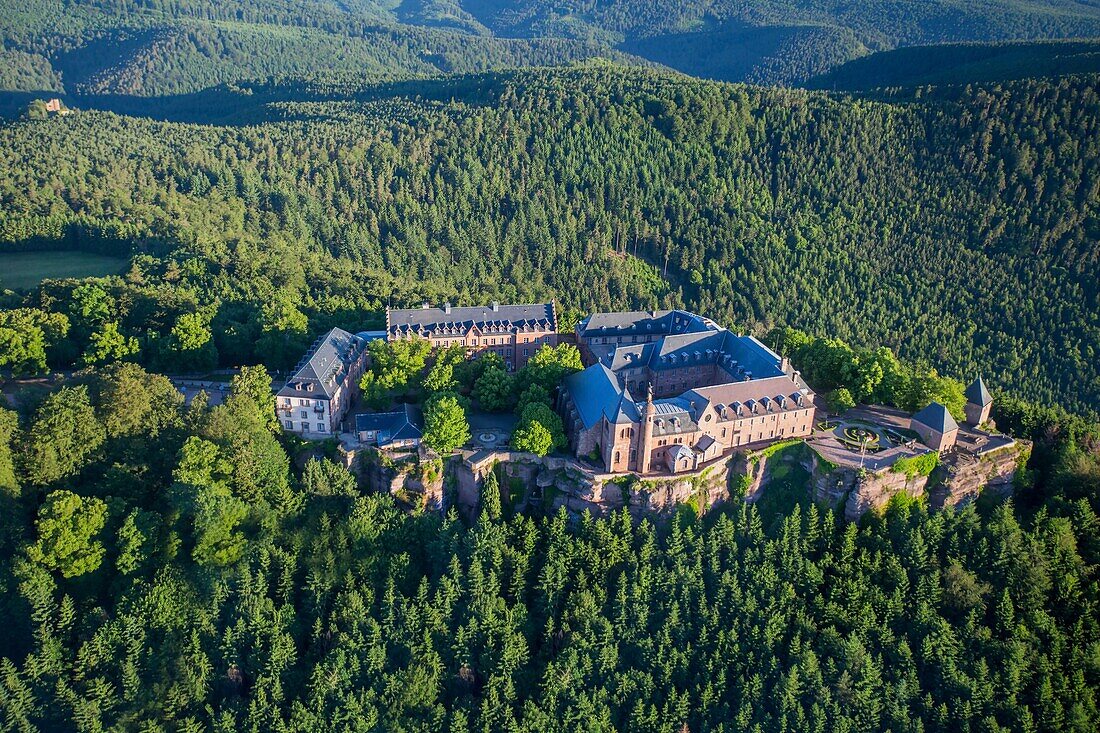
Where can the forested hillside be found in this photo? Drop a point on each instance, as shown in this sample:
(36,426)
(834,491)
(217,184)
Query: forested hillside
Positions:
(962,63)
(163,567)
(165,46)
(958,227)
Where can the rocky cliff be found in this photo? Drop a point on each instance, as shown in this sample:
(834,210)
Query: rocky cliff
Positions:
(529,482)
(416,479)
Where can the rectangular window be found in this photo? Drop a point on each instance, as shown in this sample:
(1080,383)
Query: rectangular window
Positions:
(320,428)
(289,424)
(305,414)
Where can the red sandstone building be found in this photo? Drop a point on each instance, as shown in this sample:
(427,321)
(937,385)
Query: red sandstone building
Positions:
(515,332)
(706,392)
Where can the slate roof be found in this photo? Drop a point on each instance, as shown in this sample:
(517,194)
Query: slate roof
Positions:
(390,426)
(628,323)
(977,394)
(936,417)
(704,443)
(596,393)
(325,365)
(765,393)
(672,417)
(742,357)
(490,319)
(680,451)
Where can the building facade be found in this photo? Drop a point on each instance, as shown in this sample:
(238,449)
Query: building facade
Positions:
(979,403)
(706,392)
(515,332)
(315,399)
(936,428)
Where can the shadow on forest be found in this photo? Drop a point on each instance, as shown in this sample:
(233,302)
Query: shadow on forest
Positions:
(253,103)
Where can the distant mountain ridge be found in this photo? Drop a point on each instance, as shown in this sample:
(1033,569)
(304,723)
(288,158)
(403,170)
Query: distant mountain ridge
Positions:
(176,46)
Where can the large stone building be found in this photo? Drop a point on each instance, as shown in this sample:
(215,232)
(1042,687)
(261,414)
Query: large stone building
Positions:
(319,393)
(705,392)
(515,332)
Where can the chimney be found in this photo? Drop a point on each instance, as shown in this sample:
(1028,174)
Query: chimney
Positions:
(795,375)
(447,307)
(495,306)
(785,365)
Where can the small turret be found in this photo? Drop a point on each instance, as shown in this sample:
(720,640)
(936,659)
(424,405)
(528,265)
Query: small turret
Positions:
(978,402)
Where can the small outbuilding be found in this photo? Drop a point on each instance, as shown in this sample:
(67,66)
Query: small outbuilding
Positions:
(936,427)
(978,402)
(398,429)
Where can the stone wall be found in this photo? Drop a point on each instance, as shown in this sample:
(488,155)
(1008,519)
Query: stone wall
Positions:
(529,482)
(960,479)
(414,478)
(553,482)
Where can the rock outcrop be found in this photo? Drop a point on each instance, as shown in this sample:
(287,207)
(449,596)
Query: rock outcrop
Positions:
(413,478)
(531,482)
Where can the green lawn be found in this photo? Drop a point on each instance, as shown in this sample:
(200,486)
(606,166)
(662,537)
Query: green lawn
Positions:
(24,270)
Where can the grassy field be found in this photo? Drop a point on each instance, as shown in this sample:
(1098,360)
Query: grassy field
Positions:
(24,270)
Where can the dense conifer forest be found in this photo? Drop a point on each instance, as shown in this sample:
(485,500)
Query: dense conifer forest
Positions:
(150,47)
(956,225)
(263,170)
(171,568)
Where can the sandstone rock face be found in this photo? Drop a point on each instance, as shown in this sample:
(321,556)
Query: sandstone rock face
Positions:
(530,482)
(553,482)
(968,475)
(416,479)
(875,490)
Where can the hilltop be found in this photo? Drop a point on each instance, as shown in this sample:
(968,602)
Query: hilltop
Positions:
(181,46)
(959,228)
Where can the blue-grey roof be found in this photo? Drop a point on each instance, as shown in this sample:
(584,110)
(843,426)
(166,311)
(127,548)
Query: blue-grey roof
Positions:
(977,394)
(325,365)
(627,323)
(741,356)
(596,393)
(458,321)
(390,426)
(937,417)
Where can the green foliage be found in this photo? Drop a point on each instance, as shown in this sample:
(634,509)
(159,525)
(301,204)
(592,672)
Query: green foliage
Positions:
(921,465)
(441,377)
(26,336)
(109,345)
(202,496)
(67,527)
(495,390)
(839,400)
(540,430)
(63,436)
(365,196)
(395,369)
(445,425)
(131,401)
(323,477)
(490,496)
(533,437)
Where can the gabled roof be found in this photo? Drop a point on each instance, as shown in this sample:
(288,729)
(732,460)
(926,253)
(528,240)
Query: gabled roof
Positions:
(458,321)
(325,366)
(390,426)
(596,393)
(627,323)
(977,394)
(936,417)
